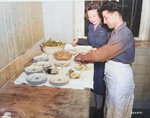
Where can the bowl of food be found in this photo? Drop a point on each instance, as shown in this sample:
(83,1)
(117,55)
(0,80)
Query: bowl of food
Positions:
(73,74)
(58,80)
(40,58)
(33,69)
(52,46)
(82,67)
(62,63)
(62,55)
(44,64)
(36,79)
(53,71)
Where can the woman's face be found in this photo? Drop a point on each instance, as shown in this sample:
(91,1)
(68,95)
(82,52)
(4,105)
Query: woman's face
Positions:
(94,17)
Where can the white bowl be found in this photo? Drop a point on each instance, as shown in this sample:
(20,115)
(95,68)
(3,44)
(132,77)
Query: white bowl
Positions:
(62,63)
(58,80)
(40,58)
(33,69)
(51,50)
(36,79)
(44,64)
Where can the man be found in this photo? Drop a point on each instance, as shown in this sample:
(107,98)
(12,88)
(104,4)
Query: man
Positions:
(119,53)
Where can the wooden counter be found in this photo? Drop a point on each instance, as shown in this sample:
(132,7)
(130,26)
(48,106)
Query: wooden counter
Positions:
(45,102)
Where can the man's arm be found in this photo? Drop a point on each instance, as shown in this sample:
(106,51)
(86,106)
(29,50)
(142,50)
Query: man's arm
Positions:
(104,53)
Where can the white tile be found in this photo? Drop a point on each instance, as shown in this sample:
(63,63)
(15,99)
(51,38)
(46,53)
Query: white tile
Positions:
(148,59)
(139,79)
(138,96)
(133,68)
(148,70)
(146,87)
(149,51)
(139,88)
(141,59)
(140,69)
(141,51)
(147,79)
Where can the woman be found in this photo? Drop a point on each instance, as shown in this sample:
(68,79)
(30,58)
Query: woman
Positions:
(98,36)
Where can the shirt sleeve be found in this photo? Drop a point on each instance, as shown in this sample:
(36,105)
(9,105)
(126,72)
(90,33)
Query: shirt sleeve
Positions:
(115,46)
(82,41)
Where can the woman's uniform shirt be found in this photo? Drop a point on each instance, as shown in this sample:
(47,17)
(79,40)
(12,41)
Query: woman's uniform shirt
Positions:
(96,38)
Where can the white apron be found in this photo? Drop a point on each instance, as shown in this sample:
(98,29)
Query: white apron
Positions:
(119,90)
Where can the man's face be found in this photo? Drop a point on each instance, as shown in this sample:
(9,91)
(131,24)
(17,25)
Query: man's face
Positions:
(109,19)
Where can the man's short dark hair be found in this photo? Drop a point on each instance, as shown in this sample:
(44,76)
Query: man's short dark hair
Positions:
(112,6)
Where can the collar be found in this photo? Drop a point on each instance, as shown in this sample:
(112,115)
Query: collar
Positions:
(98,26)
(119,28)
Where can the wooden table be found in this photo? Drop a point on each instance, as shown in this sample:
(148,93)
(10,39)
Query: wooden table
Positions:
(45,102)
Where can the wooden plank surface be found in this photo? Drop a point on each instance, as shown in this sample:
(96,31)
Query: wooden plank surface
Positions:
(44,101)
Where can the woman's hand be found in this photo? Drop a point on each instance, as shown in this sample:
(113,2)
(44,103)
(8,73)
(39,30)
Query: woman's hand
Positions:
(92,49)
(74,43)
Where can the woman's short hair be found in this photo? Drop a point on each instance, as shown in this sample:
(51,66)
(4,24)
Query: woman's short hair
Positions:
(112,6)
(92,6)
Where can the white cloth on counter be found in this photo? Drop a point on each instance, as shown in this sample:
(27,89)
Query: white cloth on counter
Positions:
(86,80)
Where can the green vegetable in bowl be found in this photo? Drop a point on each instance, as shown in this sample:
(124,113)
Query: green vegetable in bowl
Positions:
(50,42)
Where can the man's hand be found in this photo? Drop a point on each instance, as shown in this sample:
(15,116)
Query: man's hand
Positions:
(78,57)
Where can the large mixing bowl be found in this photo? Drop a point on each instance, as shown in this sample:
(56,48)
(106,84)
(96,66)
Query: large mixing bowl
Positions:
(52,49)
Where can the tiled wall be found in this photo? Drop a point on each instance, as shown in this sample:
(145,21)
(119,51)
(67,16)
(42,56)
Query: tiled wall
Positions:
(21,27)
(141,70)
